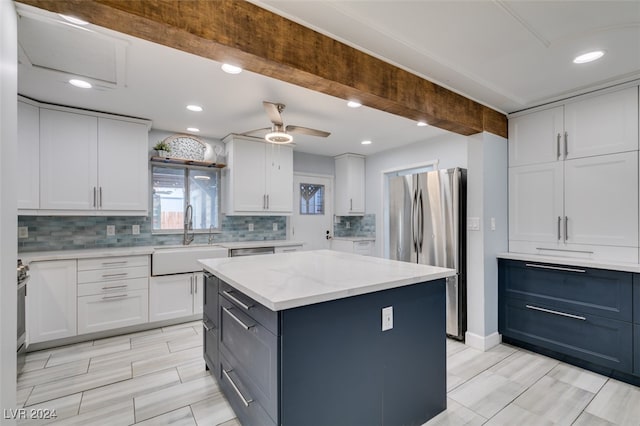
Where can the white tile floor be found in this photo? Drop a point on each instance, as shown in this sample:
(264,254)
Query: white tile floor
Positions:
(158,377)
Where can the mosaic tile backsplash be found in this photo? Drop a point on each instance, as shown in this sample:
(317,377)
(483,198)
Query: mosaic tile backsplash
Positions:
(355,226)
(88,232)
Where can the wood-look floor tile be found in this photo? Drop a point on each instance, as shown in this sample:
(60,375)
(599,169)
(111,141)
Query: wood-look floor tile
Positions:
(116,414)
(232,422)
(456,415)
(192,370)
(574,376)
(80,383)
(180,417)
(162,362)
(186,342)
(513,415)
(127,389)
(170,328)
(524,368)
(617,402)
(52,374)
(174,397)
(453,381)
(125,338)
(22,395)
(213,411)
(470,362)
(64,407)
(88,352)
(124,358)
(162,337)
(554,400)
(487,393)
(35,364)
(454,346)
(587,419)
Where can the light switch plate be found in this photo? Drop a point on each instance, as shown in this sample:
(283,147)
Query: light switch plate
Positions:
(111,230)
(135,229)
(387,318)
(23,232)
(275,226)
(493,223)
(251,227)
(473,223)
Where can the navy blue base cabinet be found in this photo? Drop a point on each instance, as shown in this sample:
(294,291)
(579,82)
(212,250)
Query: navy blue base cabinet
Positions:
(329,363)
(580,315)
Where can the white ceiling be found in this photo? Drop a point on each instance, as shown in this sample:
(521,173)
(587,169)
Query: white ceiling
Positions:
(507,55)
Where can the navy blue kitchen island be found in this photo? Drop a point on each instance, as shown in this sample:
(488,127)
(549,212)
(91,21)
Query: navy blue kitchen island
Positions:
(296,338)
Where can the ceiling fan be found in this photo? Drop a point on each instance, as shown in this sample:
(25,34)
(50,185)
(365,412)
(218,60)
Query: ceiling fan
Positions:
(278,132)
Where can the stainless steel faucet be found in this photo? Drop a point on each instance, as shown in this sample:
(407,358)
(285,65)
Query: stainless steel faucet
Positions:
(188,225)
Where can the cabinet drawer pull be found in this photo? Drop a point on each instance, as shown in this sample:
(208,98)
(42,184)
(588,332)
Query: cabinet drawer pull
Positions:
(236,319)
(120,262)
(555,268)
(288,250)
(236,300)
(122,274)
(245,401)
(208,327)
(562,314)
(114,286)
(117,296)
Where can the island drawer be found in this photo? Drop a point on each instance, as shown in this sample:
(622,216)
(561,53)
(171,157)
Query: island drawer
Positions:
(249,410)
(210,344)
(253,352)
(257,312)
(592,291)
(592,338)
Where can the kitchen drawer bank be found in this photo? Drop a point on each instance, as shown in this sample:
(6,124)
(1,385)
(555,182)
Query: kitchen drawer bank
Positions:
(580,315)
(287,348)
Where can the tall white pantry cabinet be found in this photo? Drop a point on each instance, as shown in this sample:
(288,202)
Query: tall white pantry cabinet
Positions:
(573,178)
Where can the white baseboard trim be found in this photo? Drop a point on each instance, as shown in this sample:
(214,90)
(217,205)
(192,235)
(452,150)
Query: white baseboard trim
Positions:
(483,343)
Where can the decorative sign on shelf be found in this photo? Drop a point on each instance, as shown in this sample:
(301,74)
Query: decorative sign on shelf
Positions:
(185,147)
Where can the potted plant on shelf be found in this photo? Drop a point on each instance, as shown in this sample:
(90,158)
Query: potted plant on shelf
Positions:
(163,149)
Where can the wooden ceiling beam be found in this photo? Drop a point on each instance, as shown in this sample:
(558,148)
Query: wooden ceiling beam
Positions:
(263,42)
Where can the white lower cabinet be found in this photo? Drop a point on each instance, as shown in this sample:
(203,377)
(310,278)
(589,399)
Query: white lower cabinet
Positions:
(287,249)
(51,301)
(363,247)
(175,296)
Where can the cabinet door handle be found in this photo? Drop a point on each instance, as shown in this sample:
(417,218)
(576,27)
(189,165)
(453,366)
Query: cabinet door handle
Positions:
(245,401)
(555,268)
(236,300)
(566,145)
(559,222)
(122,274)
(236,319)
(566,228)
(190,285)
(118,296)
(100,197)
(195,284)
(558,147)
(95,196)
(268,201)
(350,204)
(114,286)
(562,314)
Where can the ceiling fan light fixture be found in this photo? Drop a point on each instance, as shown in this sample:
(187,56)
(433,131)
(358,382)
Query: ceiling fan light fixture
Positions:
(588,57)
(231,69)
(278,137)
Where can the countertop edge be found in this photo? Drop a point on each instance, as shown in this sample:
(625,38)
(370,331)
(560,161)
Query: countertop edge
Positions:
(570,261)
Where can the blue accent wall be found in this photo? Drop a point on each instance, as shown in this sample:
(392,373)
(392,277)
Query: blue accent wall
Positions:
(89,232)
(358,226)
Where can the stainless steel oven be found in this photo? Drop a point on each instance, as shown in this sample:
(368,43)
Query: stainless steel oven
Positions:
(23,279)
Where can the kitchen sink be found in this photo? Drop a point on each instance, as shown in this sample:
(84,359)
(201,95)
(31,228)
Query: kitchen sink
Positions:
(180,259)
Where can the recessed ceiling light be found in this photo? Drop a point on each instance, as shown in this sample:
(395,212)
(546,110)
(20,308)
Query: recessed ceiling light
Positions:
(195,108)
(231,69)
(588,57)
(80,83)
(73,19)
(354,104)
(366,142)
(193,129)
(421,123)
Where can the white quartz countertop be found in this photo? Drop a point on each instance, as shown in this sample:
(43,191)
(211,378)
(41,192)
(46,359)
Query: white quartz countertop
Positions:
(289,280)
(570,261)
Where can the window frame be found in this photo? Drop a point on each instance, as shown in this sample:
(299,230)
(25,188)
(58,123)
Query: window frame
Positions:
(187,192)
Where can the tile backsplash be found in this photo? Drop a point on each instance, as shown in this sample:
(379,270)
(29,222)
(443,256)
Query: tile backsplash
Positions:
(355,226)
(88,232)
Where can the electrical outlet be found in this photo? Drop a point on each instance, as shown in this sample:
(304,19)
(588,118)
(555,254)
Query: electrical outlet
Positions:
(135,229)
(387,318)
(493,223)
(23,232)
(347,225)
(250,227)
(275,226)
(473,223)
(111,230)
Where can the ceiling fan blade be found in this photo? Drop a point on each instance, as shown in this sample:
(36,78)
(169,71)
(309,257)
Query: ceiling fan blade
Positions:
(251,132)
(307,131)
(273,111)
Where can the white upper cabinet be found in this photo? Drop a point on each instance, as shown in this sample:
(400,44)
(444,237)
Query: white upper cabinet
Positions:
(601,200)
(28,184)
(92,164)
(350,185)
(536,138)
(258,179)
(602,124)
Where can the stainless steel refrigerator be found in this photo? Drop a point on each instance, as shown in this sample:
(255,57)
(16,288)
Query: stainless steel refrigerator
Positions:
(427,224)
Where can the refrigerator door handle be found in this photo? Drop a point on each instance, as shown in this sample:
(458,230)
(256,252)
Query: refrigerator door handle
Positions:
(421,219)
(414,214)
